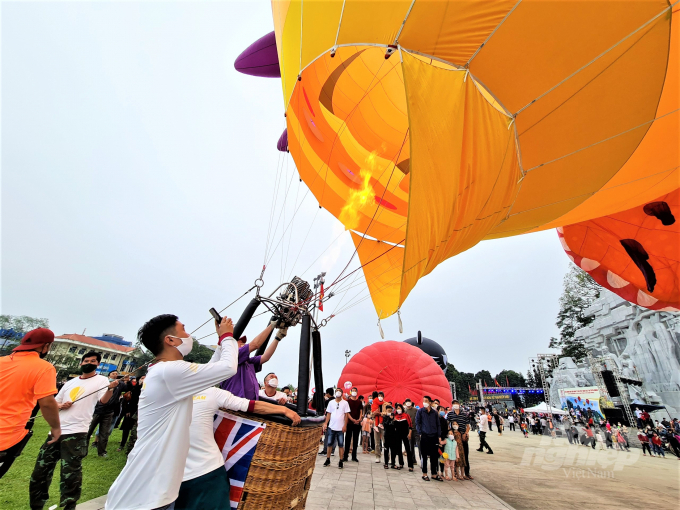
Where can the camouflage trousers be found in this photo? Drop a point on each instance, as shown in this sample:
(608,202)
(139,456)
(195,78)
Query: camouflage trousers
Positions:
(133,437)
(70,449)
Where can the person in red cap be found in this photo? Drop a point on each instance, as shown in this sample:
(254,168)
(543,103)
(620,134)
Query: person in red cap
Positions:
(25,379)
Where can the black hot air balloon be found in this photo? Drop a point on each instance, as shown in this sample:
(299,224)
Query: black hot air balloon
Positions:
(431,348)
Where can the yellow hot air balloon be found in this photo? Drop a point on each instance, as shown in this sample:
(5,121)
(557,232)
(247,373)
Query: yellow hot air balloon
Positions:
(426,127)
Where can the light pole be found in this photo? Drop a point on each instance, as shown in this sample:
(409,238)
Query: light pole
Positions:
(348,353)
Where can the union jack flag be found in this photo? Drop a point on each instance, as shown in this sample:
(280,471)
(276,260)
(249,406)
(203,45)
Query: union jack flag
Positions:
(237,438)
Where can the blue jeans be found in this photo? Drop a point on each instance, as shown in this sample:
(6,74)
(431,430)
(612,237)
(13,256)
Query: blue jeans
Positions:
(658,449)
(324,451)
(336,435)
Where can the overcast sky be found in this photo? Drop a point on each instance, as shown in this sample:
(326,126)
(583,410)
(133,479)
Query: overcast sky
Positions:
(138,170)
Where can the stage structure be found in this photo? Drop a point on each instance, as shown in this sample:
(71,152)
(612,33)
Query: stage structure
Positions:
(638,350)
(604,365)
(546,364)
(498,394)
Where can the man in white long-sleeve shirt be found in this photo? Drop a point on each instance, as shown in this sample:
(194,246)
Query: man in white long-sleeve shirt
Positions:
(203,487)
(155,467)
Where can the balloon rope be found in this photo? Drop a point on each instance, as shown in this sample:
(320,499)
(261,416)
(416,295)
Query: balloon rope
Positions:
(223,309)
(667,9)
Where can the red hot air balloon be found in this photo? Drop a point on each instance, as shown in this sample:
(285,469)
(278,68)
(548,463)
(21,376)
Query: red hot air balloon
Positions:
(633,253)
(399,370)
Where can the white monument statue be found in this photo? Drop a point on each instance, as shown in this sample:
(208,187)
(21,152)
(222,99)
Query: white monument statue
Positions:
(643,344)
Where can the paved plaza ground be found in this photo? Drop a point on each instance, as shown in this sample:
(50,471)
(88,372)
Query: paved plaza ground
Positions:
(539,472)
(532,473)
(367,485)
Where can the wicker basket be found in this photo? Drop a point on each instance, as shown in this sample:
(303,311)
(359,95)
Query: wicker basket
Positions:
(281,470)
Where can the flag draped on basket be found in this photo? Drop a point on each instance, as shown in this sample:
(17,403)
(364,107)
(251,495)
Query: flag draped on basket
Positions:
(237,439)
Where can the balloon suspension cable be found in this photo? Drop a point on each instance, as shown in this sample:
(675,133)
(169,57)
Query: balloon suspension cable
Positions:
(223,309)
(382,334)
(401,326)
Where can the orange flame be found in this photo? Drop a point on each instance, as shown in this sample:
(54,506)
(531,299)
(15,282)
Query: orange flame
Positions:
(349,215)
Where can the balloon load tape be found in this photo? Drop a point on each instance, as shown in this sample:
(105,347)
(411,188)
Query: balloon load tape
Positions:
(292,302)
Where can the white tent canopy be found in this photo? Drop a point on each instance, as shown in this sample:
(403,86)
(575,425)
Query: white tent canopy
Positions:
(543,408)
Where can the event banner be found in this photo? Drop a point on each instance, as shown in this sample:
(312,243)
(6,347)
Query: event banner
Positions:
(581,399)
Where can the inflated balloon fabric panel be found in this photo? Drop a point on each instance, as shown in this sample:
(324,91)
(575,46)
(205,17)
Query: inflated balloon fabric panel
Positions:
(452,30)
(634,253)
(575,138)
(464,171)
(399,370)
(654,167)
(354,155)
(382,266)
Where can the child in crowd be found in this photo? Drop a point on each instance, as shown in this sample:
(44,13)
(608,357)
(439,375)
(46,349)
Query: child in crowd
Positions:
(600,439)
(657,445)
(366,428)
(451,451)
(644,441)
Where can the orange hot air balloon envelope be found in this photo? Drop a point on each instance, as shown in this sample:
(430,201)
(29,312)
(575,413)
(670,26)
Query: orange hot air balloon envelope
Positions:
(428,126)
(398,369)
(634,253)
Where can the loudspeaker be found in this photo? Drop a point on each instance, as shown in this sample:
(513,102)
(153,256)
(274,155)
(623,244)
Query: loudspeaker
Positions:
(610,383)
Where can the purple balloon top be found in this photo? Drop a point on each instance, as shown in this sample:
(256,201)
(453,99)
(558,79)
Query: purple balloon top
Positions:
(260,58)
(282,144)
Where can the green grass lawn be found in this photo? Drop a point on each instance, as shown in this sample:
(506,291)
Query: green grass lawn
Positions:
(98,473)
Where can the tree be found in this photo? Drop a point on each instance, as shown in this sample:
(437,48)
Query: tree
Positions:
(485,376)
(510,376)
(465,381)
(141,357)
(531,382)
(14,327)
(199,354)
(580,290)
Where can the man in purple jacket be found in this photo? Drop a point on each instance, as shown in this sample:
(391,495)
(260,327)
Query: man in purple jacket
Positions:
(244,384)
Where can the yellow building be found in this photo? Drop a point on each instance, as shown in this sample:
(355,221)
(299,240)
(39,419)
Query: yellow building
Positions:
(68,349)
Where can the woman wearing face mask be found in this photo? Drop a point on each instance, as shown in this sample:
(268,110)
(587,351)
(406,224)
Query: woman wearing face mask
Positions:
(377,408)
(444,427)
(403,425)
(461,463)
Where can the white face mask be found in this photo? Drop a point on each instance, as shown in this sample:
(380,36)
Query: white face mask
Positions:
(338,394)
(185,347)
(408,404)
(455,406)
(273,382)
(426,405)
(451,437)
(399,411)
(434,406)
(354,393)
(380,398)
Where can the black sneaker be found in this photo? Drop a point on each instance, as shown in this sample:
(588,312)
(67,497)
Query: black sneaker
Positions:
(355,460)
(340,465)
(323,454)
(327,463)
(489,452)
